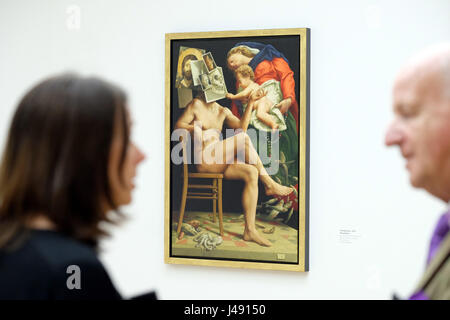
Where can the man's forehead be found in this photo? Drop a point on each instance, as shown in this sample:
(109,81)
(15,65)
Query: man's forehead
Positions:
(406,86)
(424,71)
(413,84)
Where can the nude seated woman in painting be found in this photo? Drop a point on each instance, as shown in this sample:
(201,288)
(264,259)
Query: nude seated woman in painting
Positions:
(206,120)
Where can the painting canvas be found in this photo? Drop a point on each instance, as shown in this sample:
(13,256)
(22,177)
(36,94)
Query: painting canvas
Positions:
(237,149)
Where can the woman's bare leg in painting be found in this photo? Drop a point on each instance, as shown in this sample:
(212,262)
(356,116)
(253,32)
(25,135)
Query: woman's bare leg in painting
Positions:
(249,174)
(232,148)
(242,143)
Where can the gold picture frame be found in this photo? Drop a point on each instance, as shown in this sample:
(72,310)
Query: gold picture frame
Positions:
(176,46)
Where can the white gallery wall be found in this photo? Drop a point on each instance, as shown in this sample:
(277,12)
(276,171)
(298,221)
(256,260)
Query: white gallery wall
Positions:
(356,49)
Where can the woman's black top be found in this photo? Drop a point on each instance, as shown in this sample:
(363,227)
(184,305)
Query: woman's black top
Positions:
(50,265)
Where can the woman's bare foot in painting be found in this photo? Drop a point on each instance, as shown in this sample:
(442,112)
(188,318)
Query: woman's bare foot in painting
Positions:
(278,189)
(256,237)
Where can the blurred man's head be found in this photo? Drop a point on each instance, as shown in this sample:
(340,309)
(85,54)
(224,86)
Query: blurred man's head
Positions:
(421,128)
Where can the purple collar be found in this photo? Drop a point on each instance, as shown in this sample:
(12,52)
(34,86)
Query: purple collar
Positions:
(441,230)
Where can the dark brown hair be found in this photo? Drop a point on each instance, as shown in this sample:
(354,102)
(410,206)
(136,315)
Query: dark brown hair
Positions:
(56,157)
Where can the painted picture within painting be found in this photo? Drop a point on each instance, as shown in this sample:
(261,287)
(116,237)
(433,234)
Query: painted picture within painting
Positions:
(237,189)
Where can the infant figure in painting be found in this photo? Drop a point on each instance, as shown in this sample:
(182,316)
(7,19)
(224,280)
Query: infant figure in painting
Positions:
(253,95)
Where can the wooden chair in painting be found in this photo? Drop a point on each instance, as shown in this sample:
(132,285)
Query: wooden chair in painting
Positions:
(213,190)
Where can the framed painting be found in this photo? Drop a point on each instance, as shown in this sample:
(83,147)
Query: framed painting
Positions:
(237,149)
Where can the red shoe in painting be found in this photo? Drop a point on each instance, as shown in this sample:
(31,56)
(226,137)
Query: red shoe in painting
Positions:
(291,197)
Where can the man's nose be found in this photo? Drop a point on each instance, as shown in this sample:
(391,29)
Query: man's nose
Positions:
(393,135)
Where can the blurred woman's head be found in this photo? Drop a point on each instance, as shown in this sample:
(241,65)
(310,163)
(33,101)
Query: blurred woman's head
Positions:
(68,158)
